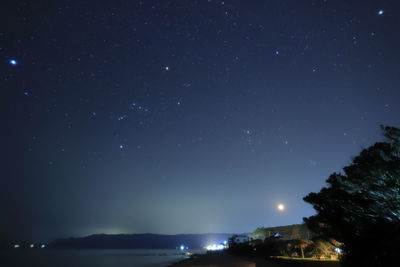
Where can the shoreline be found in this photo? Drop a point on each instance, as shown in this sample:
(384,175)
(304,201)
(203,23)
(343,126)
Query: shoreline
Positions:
(226,259)
(214,259)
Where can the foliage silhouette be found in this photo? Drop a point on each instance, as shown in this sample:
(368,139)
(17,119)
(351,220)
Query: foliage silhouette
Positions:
(361,207)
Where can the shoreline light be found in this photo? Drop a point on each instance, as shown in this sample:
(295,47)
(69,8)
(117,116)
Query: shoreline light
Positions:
(215,247)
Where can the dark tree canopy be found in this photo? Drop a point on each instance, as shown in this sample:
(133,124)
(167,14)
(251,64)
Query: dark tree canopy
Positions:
(361,207)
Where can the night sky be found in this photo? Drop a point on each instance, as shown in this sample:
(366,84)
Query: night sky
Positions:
(185,116)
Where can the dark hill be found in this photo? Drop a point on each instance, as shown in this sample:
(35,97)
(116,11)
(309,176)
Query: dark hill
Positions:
(140,241)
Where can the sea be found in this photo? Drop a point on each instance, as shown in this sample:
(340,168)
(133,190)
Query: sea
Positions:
(91,258)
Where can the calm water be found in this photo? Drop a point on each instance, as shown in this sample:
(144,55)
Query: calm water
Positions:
(90,258)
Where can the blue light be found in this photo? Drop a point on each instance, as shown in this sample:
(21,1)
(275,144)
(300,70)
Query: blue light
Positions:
(13,62)
(381,12)
(182,247)
(277,52)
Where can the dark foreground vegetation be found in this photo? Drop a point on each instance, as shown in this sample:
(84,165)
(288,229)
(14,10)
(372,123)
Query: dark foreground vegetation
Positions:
(361,206)
(278,249)
(357,220)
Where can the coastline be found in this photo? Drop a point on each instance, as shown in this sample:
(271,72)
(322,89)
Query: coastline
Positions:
(224,259)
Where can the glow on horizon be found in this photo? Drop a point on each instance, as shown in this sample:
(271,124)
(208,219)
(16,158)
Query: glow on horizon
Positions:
(215,247)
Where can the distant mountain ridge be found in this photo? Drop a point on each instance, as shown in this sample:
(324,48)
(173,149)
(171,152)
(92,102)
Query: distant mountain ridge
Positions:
(139,241)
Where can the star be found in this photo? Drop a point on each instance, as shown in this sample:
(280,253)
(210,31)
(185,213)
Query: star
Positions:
(277,52)
(121,147)
(178,103)
(123,117)
(166,68)
(26,93)
(381,12)
(13,62)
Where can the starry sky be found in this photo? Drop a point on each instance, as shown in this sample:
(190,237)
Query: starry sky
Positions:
(187,116)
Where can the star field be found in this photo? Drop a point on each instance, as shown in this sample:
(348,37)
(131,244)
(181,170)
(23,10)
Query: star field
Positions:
(185,116)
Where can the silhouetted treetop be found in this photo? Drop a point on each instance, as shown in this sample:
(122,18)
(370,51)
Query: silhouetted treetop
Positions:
(361,207)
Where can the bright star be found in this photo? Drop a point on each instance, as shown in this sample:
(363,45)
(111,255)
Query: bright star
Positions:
(13,62)
(121,146)
(381,12)
(277,52)
(166,68)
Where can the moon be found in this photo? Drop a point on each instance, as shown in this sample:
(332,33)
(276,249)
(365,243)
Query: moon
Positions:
(281,207)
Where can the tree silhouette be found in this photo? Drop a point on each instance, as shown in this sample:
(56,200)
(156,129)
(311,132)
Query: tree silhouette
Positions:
(361,207)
